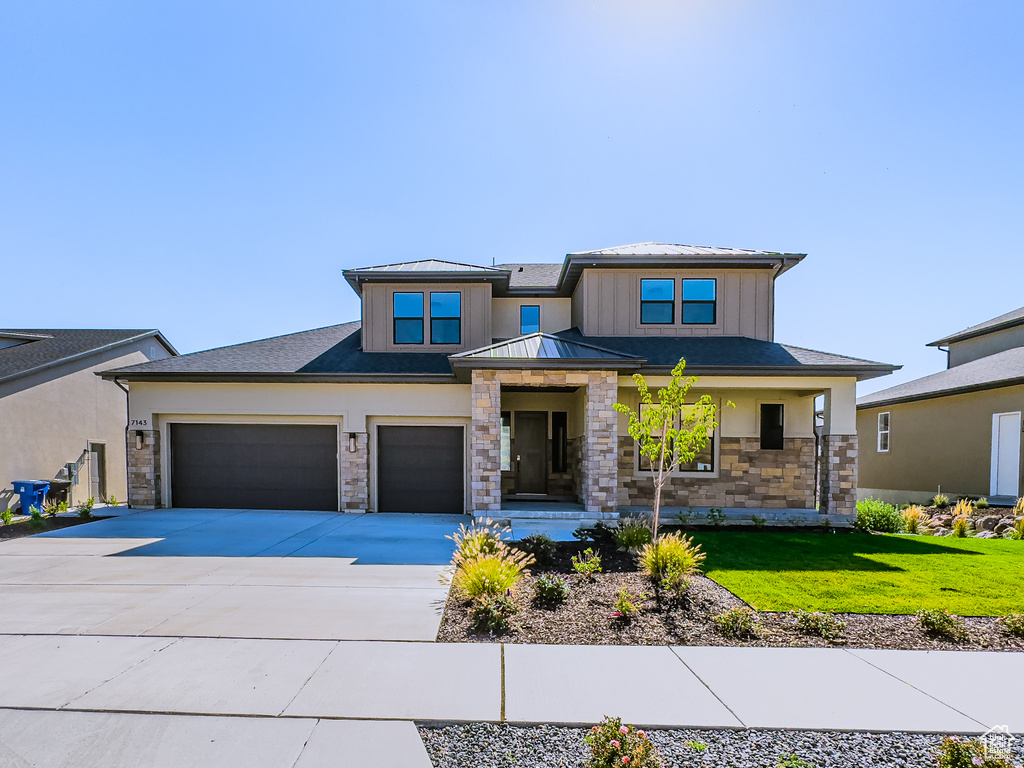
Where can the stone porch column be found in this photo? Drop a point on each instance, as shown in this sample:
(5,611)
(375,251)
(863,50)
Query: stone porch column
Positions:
(485,442)
(600,461)
(839,451)
(143,468)
(355,469)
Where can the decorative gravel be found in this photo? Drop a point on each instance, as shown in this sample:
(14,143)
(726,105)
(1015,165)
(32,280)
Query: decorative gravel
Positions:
(585,618)
(485,745)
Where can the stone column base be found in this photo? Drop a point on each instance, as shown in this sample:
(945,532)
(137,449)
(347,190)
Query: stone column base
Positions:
(143,468)
(838,475)
(355,471)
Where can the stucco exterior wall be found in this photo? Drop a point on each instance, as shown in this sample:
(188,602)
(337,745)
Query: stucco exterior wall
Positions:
(965,351)
(944,442)
(607,303)
(555,315)
(49,418)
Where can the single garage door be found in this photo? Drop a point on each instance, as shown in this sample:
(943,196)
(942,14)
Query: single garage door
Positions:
(254,466)
(420,469)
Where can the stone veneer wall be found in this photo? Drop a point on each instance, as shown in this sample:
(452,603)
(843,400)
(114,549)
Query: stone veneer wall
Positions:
(747,477)
(598,447)
(355,471)
(144,469)
(839,474)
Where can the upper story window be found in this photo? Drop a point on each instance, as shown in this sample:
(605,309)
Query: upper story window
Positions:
(529,319)
(408,319)
(445,318)
(883,432)
(699,300)
(657,302)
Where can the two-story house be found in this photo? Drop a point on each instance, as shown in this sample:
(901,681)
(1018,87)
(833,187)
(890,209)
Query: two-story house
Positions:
(472,389)
(958,430)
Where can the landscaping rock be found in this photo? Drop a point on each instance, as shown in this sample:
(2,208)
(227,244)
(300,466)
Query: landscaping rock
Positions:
(988,523)
(943,520)
(1002,528)
(985,535)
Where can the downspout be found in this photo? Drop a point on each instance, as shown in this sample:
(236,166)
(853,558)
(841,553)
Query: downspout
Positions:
(127,421)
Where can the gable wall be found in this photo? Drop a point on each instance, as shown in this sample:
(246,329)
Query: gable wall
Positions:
(972,349)
(377,317)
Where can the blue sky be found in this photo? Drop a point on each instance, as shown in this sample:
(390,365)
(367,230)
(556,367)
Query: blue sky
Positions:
(209,168)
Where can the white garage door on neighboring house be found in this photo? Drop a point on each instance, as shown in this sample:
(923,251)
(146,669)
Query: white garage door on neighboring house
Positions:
(254,466)
(1006,428)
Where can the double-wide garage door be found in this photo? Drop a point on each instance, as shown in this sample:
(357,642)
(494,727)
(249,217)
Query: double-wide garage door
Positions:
(254,466)
(420,469)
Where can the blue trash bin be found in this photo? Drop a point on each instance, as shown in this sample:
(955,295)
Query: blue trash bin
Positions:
(32,493)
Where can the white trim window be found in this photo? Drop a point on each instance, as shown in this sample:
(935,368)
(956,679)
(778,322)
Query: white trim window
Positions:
(883,432)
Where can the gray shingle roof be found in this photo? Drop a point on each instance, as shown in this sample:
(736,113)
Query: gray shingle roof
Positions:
(673,249)
(44,348)
(999,370)
(322,352)
(732,353)
(1009,320)
(532,275)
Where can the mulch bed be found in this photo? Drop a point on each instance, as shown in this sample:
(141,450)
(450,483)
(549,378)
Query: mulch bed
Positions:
(585,618)
(25,527)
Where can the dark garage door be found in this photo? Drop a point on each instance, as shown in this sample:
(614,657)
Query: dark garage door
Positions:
(254,466)
(420,469)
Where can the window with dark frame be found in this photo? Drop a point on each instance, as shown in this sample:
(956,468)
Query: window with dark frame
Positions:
(559,441)
(657,302)
(408,318)
(702,462)
(446,318)
(506,441)
(529,319)
(883,432)
(700,302)
(772,426)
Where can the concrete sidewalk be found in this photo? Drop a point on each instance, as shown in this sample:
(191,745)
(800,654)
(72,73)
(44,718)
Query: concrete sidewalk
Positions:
(791,688)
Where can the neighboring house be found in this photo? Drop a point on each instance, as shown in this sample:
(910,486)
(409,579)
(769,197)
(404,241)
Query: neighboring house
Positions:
(959,429)
(59,420)
(478,389)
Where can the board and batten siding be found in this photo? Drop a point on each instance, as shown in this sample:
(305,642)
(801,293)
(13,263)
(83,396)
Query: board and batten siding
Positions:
(607,303)
(377,316)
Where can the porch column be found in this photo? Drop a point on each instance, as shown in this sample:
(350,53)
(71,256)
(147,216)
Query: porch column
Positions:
(600,461)
(355,468)
(485,442)
(839,451)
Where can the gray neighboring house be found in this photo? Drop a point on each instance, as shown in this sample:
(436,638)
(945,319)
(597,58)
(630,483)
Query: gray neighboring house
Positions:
(489,390)
(58,419)
(959,429)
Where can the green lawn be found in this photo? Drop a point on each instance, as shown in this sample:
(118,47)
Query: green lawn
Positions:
(862,573)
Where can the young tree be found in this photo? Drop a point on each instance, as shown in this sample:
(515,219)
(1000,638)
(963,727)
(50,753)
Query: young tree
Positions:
(668,431)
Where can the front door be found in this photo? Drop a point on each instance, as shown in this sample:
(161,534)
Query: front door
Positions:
(531,454)
(1006,454)
(98,471)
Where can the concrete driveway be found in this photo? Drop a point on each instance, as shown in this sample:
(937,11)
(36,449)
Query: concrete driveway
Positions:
(231,573)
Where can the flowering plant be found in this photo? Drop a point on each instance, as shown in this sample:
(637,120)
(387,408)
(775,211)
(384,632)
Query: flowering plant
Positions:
(956,752)
(613,745)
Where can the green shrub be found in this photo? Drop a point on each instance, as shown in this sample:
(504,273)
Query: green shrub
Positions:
(582,534)
(36,516)
(587,564)
(541,547)
(7,517)
(625,607)
(982,503)
(914,519)
(491,574)
(940,500)
(1012,624)
(670,560)
(112,501)
(492,613)
(941,622)
(955,752)
(550,589)
(85,508)
(792,761)
(876,515)
(632,533)
(613,745)
(1017,532)
(759,522)
(715,516)
(737,622)
(961,527)
(824,625)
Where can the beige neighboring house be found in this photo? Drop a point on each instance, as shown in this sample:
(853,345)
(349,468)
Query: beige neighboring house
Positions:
(60,421)
(959,429)
(490,390)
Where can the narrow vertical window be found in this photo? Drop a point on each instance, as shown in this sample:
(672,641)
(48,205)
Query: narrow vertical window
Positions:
(883,432)
(699,302)
(506,441)
(446,318)
(408,318)
(529,319)
(559,441)
(773,422)
(657,302)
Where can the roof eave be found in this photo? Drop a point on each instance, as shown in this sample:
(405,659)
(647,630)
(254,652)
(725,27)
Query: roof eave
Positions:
(356,278)
(88,353)
(279,378)
(862,373)
(942,393)
(967,335)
